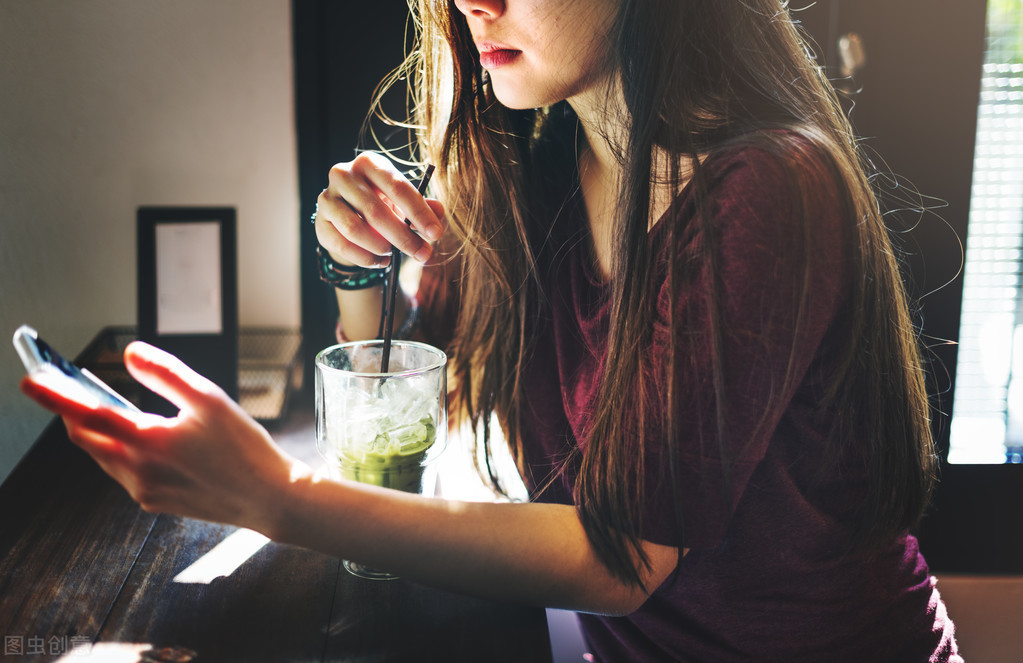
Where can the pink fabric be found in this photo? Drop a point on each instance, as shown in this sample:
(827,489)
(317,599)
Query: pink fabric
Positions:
(947,650)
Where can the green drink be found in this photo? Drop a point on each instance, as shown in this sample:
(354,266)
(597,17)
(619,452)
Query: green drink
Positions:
(395,458)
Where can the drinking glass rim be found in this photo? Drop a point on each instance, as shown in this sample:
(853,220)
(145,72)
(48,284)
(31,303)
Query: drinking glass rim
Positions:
(442,358)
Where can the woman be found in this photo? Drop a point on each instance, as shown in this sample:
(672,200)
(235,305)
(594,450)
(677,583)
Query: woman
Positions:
(666,275)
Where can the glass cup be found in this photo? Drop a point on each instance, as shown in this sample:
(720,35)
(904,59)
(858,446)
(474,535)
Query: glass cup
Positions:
(384,429)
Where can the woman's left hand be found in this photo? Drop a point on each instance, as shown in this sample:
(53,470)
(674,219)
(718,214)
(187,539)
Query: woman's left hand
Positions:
(211,461)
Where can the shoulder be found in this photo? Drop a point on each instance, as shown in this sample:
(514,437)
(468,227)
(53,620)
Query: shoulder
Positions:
(776,167)
(777,187)
(770,209)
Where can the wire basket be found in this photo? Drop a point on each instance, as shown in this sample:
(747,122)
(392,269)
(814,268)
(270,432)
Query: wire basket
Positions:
(269,370)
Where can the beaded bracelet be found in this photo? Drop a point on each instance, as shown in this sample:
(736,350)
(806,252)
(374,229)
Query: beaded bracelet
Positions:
(348,277)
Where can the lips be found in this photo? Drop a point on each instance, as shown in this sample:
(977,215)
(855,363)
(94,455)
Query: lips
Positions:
(496,55)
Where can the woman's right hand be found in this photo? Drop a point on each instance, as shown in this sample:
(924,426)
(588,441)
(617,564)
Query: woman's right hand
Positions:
(361,213)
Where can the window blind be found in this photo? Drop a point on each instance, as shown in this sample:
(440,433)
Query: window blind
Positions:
(987,417)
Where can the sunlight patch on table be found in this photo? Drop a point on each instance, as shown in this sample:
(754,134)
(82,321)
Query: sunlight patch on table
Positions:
(224,559)
(128,652)
(108,652)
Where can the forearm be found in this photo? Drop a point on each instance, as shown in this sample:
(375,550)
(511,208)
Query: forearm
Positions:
(359,311)
(526,553)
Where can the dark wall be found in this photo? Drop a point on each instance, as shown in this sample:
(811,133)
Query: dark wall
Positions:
(343,50)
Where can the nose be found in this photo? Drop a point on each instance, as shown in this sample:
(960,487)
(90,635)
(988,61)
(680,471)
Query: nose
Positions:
(485,9)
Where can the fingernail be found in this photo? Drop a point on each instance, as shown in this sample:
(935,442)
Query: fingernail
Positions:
(149,353)
(143,350)
(423,254)
(433,233)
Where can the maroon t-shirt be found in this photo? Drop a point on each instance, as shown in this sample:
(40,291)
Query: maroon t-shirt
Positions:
(768,576)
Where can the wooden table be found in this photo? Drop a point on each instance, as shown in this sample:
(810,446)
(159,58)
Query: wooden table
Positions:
(85,573)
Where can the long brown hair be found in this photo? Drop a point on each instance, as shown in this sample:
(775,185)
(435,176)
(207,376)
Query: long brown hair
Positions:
(699,77)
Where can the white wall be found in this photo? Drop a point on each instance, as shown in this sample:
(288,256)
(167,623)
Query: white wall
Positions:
(106,105)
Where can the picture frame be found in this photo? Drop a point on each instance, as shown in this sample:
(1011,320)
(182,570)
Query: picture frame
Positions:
(188,288)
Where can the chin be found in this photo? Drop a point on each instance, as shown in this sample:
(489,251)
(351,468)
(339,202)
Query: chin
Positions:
(516,102)
(517,99)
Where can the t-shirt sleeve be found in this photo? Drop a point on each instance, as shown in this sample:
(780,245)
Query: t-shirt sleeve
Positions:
(780,268)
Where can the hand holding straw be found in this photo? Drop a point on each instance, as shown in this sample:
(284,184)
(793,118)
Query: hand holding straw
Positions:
(392,284)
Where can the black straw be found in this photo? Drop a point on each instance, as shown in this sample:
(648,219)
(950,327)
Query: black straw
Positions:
(392,284)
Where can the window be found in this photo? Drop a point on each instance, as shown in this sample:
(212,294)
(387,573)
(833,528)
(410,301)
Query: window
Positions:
(987,421)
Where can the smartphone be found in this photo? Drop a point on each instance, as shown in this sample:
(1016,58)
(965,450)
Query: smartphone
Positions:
(68,379)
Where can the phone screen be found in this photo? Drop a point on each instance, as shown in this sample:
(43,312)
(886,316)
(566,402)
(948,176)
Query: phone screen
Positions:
(39,357)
